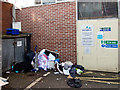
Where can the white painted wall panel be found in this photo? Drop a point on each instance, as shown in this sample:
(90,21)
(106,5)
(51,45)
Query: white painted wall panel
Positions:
(100,59)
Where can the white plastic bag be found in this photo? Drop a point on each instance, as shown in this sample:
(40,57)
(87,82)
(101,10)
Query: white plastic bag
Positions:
(51,57)
(51,63)
(42,61)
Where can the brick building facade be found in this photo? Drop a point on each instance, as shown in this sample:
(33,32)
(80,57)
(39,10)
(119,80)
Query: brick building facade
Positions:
(6,16)
(53,27)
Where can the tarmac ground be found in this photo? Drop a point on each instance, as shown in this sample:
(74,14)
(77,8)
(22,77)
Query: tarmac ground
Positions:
(89,79)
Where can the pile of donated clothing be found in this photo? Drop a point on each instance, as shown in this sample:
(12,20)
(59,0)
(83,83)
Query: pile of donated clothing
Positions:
(47,60)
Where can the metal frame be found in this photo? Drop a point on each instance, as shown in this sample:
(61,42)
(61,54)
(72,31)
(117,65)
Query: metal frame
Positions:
(95,1)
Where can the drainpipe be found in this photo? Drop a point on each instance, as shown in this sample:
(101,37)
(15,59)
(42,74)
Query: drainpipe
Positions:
(118,10)
(1,41)
(76,10)
(13,14)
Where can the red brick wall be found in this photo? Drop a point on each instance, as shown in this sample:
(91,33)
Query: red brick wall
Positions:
(53,27)
(6,16)
(0,17)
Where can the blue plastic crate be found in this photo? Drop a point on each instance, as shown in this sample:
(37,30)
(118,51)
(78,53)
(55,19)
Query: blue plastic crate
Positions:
(12,31)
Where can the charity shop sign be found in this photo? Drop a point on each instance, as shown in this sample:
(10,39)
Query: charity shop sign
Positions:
(99,35)
(105,29)
(87,35)
(109,44)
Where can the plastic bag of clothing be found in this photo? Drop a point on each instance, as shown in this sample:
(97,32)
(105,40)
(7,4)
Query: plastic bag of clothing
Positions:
(34,62)
(20,67)
(51,64)
(76,83)
(51,59)
(64,67)
(28,59)
(79,67)
(72,72)
(42,61)
(59,67)
(76,69)
(26,65)
(67,64)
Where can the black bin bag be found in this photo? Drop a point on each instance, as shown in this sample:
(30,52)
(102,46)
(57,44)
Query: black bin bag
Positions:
(26,65)
(76,83)
(28,59)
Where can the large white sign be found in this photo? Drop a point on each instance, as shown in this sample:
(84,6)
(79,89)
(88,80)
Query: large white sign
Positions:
(87,35)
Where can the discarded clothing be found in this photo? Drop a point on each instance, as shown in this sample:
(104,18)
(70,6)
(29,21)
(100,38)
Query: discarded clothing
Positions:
(79,67)
(21,67)
(3,81)
(51,64)
(67,65)
(59,67)
(76,69)
(28,59)
(51,57)
(34,62)
(42,61)
(73,72)
(46,59)
(24,66)
(64,67)
(51,60)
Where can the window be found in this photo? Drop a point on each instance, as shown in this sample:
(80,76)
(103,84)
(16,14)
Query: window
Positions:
(110,9)
(61,0)
(37,1)
(97,9)
(29,3)
(64,0)
(48,1)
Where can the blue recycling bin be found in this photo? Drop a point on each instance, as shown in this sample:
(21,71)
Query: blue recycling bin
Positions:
(11,31)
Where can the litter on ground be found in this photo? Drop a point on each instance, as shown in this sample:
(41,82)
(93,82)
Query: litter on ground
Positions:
(3,81)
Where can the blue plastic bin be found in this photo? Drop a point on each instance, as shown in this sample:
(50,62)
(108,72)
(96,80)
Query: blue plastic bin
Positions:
(11,31)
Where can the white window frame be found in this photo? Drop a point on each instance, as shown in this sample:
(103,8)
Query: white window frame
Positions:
(61,1)
(56,1)
(34,4)
(64,1)
(49,3)
(44,4)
